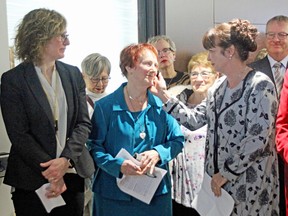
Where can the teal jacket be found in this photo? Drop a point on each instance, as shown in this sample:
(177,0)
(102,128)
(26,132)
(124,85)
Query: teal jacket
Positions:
(113,128)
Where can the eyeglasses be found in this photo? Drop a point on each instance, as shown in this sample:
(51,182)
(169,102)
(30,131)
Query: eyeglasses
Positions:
(64,37)
(203,74)
(280,35)
(165,51)
(104,80)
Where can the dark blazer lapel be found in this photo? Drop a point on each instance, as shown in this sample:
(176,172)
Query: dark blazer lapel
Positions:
(68,89)
(37,90)
(263,65)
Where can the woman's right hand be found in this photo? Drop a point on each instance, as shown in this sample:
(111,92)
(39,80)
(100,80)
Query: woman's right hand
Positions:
(56,188)
(159,85)
(159,88)
(130,168)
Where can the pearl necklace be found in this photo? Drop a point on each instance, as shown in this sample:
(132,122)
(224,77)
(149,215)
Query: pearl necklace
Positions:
(142,127)
(140,102)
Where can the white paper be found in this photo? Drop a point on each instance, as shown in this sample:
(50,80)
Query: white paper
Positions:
(49,203)
(141,187)
(207,204)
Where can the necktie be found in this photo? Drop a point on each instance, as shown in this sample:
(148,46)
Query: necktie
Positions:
(278,77)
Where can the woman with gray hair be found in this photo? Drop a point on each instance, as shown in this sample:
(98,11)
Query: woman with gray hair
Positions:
(166,56)
(96,70)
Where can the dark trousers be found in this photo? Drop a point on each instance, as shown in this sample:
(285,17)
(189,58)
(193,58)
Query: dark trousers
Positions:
(180,210)
(27,203)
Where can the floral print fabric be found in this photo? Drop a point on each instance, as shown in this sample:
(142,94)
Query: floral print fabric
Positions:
(241,130)
(187,169)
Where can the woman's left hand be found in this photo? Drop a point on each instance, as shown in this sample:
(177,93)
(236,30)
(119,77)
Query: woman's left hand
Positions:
(217,182)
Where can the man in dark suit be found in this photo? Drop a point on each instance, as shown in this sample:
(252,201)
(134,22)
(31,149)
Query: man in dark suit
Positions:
(44,108)
(277,47)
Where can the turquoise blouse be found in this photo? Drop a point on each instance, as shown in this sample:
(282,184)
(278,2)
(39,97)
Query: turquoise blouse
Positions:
(114,127)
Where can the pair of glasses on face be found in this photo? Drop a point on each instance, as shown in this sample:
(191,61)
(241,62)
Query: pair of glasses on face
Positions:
(203,74)
(280,35)
(64,37)
(96,80)
(165,51)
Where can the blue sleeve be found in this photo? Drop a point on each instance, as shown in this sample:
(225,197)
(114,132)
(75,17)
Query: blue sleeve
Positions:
(174,141)
(96,142)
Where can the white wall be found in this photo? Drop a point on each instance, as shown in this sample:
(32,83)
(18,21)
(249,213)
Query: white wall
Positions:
(188,20)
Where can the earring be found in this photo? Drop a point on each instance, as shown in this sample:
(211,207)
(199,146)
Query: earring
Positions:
(230,57)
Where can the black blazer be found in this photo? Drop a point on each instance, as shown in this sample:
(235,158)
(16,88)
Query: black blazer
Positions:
(30,125)
(263,65)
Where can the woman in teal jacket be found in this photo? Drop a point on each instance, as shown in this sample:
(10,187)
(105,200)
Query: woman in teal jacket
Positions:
(133,119)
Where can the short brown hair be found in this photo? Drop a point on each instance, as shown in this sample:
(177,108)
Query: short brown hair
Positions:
(129,55)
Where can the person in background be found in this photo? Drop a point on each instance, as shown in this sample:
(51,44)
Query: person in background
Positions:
(260,40)
(96,70)
(132,118)
(202,76)
(276,43)
(261,54)
(240,111)
(96,73)
(166,56)
(45,113)
(188,167)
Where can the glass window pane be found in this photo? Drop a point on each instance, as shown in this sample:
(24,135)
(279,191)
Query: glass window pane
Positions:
(103,26)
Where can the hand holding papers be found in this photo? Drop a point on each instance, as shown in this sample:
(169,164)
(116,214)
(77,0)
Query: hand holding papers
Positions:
(49,203)
(206,203)
(142,187)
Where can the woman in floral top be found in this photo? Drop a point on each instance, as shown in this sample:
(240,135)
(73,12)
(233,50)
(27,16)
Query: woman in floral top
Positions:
(240,111)
(187,169)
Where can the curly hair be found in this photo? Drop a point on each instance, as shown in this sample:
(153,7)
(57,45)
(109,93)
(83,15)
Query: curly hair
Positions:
(240,33)
(35,30)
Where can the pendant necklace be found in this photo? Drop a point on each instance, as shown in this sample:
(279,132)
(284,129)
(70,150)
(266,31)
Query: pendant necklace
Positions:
(142,127)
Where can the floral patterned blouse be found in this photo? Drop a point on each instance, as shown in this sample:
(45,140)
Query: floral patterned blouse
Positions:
(240,140)
(187,169)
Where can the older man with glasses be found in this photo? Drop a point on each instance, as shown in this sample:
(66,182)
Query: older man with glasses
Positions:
(276,42)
